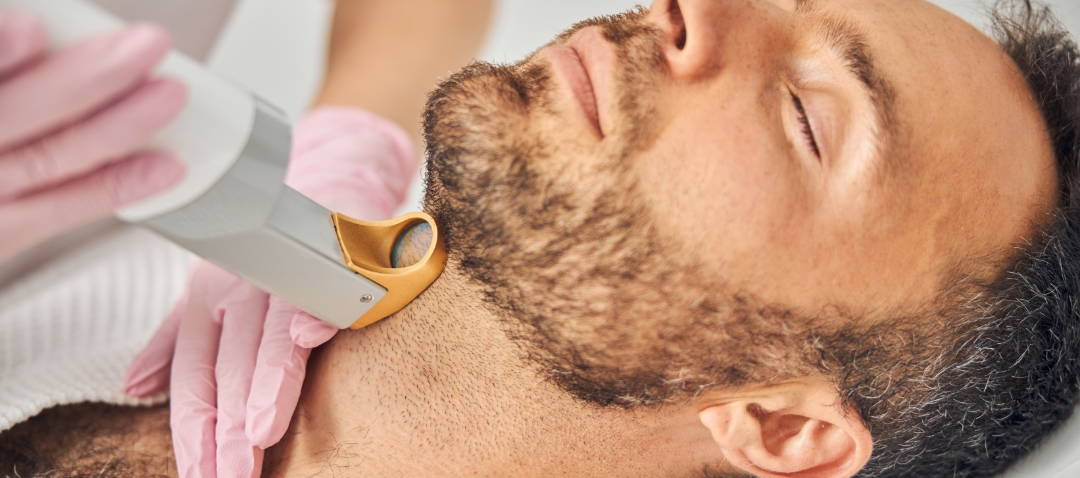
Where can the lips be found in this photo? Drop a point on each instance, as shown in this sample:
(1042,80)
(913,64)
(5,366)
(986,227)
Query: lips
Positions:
(568,67)
(584,64)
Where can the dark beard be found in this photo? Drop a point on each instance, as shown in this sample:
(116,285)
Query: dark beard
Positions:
(90,439)
(605,303)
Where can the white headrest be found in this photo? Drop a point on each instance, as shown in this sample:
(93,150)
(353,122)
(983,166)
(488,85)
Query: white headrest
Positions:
(1058,457)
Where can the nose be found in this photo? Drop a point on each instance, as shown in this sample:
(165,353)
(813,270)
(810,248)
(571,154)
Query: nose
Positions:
(701,37)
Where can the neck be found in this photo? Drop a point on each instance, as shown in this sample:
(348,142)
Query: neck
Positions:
(439,389)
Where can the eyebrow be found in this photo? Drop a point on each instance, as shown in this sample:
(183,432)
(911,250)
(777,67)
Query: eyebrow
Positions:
(849,43)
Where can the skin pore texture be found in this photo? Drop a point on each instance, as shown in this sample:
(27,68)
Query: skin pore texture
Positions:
(643,240)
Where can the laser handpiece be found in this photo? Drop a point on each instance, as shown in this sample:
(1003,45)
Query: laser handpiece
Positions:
(233,207)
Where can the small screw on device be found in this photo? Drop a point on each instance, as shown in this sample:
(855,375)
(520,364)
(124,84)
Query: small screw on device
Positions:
(366,298)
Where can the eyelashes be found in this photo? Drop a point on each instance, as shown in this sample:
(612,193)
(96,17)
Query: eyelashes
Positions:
(808,132)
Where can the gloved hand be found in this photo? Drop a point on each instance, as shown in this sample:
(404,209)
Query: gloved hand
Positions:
(238,356)
(70,123)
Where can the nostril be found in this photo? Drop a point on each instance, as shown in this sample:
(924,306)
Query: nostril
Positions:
(678,23)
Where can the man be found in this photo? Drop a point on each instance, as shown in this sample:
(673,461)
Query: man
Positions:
(730,237)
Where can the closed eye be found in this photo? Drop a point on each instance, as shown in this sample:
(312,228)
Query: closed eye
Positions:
(807,131)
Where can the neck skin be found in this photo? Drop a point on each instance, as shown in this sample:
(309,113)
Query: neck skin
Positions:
(439,389)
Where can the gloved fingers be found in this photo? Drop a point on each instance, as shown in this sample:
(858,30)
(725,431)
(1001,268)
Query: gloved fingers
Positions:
(279,376)
(245,310)
(149,371)
(28,220)
(310,332)
(22,38)
(193,401)
(73,83)
(106,136)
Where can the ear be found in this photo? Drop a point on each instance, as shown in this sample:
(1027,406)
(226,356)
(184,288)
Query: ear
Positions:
(793,430)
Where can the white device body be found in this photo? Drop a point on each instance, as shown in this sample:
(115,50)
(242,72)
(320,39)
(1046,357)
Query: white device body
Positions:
(232,207)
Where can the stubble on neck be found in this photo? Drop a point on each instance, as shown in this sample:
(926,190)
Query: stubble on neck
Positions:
(440,389)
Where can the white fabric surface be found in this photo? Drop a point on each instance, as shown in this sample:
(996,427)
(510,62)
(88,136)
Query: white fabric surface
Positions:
(69,329)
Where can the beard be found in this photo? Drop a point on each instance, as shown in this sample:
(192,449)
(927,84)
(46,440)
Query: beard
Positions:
(604,301)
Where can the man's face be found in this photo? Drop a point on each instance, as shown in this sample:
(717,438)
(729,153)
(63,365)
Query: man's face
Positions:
(666,200)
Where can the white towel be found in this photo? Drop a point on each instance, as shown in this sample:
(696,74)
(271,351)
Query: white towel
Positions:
(69,329)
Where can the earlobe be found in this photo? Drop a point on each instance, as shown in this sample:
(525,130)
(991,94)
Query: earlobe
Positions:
(793,430)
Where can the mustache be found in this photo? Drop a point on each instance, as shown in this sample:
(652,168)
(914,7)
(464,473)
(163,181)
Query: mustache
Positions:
(640,68)
(619,28)
(526,82)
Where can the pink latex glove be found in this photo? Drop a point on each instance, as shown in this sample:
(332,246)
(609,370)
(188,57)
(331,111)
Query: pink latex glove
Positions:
(237,355)
(70,124)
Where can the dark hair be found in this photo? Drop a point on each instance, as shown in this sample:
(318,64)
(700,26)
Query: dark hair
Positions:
(1000,369)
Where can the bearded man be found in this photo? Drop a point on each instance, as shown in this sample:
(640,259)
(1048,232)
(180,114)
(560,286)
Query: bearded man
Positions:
(816,238)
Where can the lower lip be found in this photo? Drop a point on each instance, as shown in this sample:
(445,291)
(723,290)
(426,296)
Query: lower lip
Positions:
(567,65)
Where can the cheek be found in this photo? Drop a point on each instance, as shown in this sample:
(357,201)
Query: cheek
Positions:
(722,171)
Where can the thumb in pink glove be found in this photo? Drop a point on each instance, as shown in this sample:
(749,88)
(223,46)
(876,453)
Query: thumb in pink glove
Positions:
(349,161)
